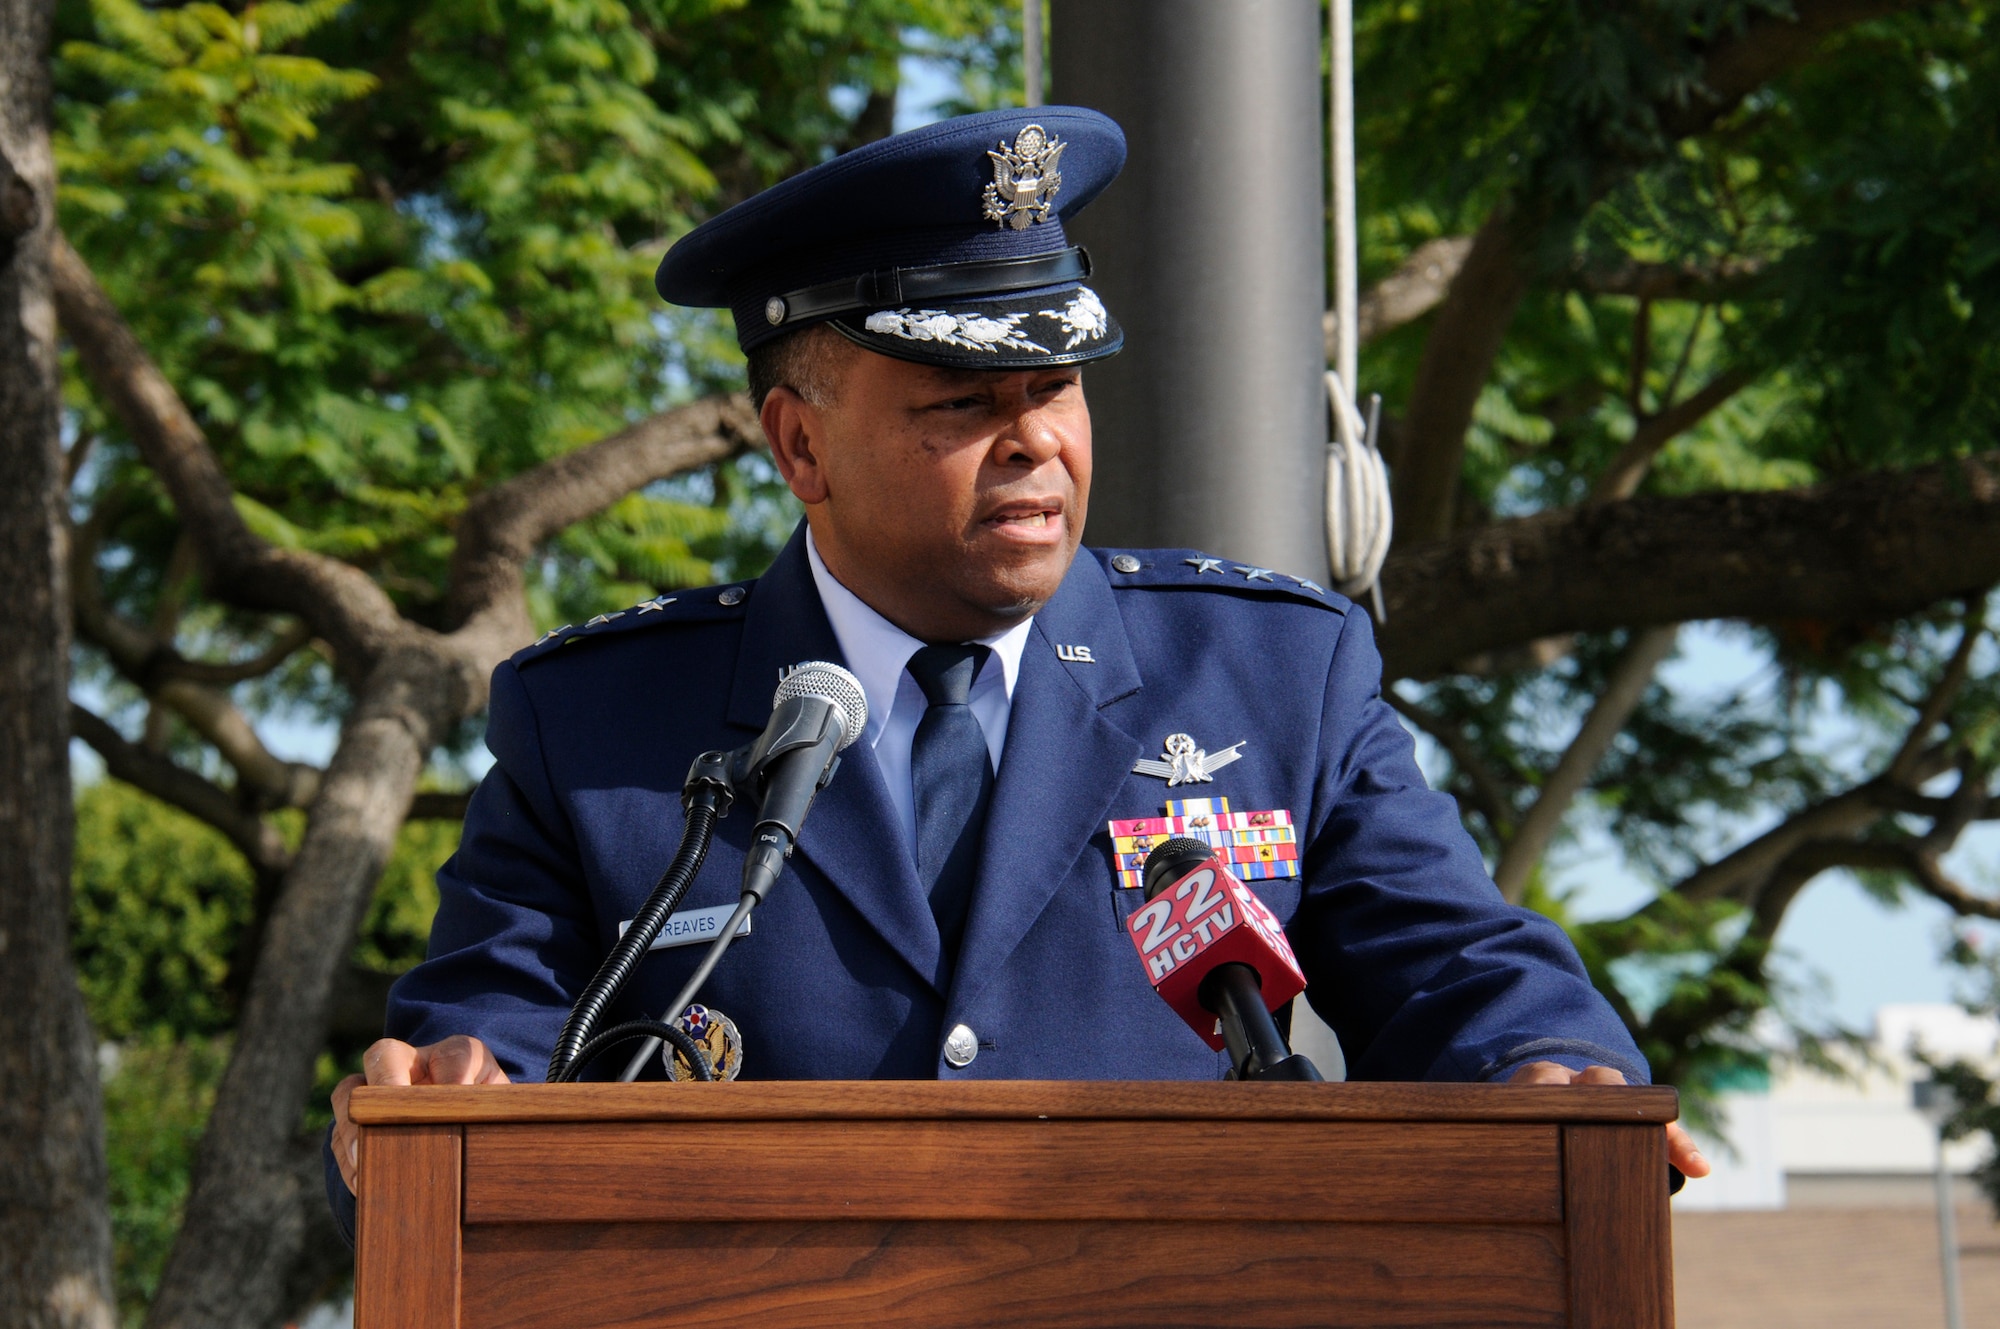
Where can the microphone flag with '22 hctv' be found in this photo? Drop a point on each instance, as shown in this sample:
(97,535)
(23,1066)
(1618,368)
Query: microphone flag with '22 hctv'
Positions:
(1219,957)
(819,710)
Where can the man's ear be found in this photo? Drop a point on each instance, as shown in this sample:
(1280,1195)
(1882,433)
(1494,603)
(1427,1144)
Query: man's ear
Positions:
(796,431)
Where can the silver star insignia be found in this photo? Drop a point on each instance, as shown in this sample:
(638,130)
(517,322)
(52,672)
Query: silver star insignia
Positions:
(656,605)
(1308,583)
(605,618)
(1255,574)
(1201,565)
(1185,763)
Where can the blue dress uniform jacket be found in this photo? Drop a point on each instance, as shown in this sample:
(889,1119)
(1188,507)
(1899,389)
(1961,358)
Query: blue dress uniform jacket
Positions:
(1411,955)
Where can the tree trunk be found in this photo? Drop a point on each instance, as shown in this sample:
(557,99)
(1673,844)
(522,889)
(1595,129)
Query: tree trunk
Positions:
(1862,549)
(249,1212)
(1457,362)
(55,1229)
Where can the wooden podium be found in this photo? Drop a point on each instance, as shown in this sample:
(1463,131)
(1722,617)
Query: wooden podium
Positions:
(892,1204)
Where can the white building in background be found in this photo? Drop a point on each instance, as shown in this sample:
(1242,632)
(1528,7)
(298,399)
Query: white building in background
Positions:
(1813,1141)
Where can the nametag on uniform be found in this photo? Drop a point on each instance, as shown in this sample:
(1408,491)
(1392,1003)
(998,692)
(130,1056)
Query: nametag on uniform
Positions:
(692,925)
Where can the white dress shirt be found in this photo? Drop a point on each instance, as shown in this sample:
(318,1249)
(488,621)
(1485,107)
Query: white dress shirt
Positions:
(878,653)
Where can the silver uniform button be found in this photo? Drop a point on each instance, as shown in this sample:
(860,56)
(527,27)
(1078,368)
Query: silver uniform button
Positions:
(961,1045)
(1125,563)
(732,596)
(774,311)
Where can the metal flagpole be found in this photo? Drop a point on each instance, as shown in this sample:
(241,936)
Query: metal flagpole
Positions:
(1346,241)
(1031,51)
(1934,1099)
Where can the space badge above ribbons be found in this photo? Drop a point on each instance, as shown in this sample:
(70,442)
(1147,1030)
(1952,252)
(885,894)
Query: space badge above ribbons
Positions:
(1261,845)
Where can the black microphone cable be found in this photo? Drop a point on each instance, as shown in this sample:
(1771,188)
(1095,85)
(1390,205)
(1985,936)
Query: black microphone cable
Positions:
(656,1033)
(705,797)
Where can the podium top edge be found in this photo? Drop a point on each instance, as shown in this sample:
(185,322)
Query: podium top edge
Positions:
(1010,1100)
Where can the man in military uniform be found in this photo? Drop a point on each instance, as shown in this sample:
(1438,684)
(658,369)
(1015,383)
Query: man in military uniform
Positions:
(916,322)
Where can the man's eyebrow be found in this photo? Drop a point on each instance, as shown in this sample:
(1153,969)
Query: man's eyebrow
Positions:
(943,379)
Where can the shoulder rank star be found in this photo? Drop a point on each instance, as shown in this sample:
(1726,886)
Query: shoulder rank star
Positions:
(1184,763)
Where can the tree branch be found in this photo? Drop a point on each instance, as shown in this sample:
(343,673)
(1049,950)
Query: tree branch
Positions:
(1868,548)
(1424,279)
(354,615)
(1622,477)
(179,787)
(502,527)
(148,663)
(1488,792)
(1765,49)
(1701,283)
(1923,868)
(437,805)
(1746,873)
(1415,288)
(1472,323)
(290,640)
(1936,706)
(1457,360)
(1630,676)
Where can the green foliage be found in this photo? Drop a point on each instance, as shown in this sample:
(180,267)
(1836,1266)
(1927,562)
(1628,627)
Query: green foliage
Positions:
(161,901)
(393,254)
(156,1103)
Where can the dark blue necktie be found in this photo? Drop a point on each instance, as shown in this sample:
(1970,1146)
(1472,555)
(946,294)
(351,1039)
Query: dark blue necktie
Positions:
(952,777)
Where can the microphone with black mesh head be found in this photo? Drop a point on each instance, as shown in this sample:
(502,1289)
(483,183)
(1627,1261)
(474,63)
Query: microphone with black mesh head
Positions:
(818,712)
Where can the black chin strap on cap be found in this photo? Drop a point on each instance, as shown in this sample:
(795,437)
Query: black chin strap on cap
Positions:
(899,286)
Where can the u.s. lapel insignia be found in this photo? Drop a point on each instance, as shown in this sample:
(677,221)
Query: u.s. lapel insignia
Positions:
(1185,763)
(1260,846)
(1025,179)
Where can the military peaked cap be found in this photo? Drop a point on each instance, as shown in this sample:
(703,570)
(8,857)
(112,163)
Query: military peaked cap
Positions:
(942,245)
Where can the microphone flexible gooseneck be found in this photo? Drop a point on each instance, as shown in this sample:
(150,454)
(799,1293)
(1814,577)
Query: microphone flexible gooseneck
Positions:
(817,713)
(706,795)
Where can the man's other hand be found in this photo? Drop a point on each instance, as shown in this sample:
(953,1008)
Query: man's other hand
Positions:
(459,1059)
(1681,1151)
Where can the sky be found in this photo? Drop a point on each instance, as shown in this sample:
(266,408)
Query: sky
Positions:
(1850,953)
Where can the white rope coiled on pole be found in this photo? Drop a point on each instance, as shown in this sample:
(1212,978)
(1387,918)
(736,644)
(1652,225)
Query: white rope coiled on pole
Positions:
(1359,519)
(1359,516)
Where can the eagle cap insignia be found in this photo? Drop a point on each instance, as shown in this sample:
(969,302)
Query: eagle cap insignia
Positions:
(1025,178)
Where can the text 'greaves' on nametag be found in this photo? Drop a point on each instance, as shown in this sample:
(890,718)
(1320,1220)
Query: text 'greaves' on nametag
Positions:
(692,925)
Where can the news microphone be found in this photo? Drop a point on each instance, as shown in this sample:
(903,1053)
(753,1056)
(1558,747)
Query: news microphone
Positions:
(819,710)
(1219,958)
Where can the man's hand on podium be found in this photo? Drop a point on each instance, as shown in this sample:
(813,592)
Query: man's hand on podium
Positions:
(459,1059)
(1681,1150)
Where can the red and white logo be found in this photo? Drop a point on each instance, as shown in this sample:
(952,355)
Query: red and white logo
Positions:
(1205,919)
